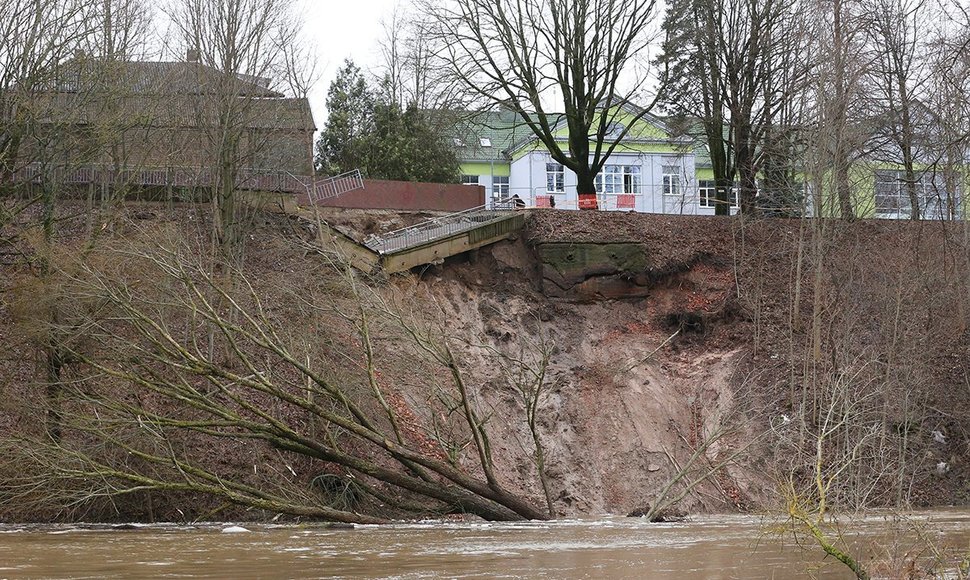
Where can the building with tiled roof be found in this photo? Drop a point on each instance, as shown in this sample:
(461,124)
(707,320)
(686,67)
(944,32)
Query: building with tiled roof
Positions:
(167,116)
(653,169)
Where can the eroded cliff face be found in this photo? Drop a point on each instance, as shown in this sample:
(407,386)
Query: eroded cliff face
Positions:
(671,349)
(681,345)
(642,371)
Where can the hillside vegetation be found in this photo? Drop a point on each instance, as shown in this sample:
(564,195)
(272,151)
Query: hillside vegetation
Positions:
(599,363)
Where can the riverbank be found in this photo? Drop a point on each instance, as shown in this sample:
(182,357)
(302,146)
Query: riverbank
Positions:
(709,352)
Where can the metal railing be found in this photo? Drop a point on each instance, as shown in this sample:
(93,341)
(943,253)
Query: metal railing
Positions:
(252,179)
(330,187)
(435,229)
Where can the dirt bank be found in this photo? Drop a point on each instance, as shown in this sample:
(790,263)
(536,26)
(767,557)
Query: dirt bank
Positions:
(671,331)
(675,347)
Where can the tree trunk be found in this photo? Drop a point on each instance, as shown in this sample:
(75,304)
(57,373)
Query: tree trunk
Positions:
(842,188)
(53,363)
(748,186)
(722,196)
(586,190)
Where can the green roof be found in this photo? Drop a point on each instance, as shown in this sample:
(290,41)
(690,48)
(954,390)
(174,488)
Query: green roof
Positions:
(485,136)
(488,135)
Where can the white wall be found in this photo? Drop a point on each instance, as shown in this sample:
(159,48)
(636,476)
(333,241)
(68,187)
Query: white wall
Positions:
(528,180)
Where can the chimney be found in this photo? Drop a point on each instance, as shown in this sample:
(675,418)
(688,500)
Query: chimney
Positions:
(192,55)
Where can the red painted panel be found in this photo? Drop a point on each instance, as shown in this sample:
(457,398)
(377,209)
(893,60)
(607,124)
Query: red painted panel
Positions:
(409,195)
(626,201)
(587,201)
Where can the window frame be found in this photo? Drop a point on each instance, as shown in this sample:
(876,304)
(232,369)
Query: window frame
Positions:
(711,198)
(500,189)
(555,176)
(670,181)
(902,208)
(619,179)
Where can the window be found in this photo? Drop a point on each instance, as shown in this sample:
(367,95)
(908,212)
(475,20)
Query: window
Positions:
(671,180)
(500,186)
(892,195)
(484,141)
(707,193)
(555,178)
(469,180)
(945,195)
(618,179)
(889,191)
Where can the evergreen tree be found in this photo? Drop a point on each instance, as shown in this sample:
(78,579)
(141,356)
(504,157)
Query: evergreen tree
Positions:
(693,89)
(350,106)
(370,131)
(735,70)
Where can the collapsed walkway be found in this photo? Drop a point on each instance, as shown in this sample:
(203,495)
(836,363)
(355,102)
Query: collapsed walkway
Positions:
(432,241)
(428,242)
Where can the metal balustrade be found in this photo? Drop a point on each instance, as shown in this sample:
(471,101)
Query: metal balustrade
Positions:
(250,179)
(331,187)
(435,229)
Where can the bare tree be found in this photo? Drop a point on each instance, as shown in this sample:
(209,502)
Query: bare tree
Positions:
(59,112)
(35,40)
(835,446)
(899,76)
(739,68)
(839,136)
(949,99)
(408,71)
(518,55)
(252,47)
(696,86)
(314,392)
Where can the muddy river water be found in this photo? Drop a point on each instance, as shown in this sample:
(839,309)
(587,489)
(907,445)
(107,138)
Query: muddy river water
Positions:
(709,547)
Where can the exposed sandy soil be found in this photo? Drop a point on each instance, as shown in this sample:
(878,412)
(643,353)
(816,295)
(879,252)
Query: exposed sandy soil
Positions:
(628,395)
(620,400)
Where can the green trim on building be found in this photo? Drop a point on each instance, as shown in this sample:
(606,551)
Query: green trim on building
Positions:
(499,168)
(646,135)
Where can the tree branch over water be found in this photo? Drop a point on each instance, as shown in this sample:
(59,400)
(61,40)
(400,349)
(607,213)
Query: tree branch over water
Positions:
(174,365)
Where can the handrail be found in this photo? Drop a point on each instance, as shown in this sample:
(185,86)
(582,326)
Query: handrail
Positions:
(337,185)
(434,229)
(178,176)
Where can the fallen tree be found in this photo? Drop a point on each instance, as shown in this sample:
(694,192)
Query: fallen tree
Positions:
(171,364)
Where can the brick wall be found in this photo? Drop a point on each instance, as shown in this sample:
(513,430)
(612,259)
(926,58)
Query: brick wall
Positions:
(408,195)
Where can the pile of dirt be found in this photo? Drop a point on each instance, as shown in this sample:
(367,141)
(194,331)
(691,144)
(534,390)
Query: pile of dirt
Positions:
(360,223)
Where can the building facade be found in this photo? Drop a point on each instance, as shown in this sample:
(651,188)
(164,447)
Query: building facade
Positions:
(652,170)
(656,170)
(151,124)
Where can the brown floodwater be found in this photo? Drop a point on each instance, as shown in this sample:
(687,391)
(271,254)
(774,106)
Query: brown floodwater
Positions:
(708,547)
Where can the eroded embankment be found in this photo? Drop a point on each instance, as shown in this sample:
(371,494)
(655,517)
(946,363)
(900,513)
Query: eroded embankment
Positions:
(642,368)
(670,348)
(674,334)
